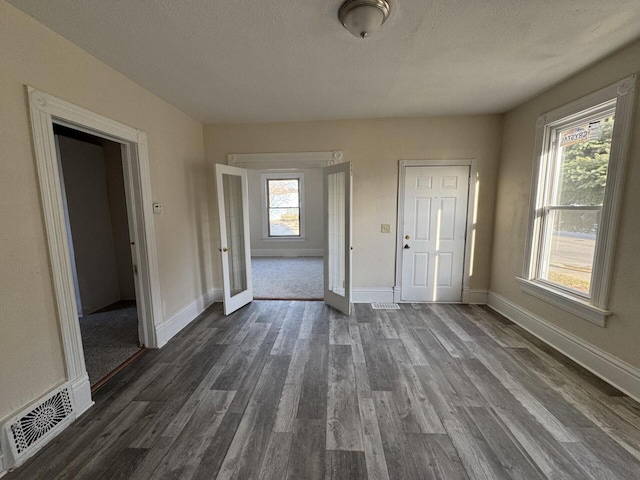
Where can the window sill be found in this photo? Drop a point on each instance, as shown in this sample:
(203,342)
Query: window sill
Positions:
(565,302)
(284,239)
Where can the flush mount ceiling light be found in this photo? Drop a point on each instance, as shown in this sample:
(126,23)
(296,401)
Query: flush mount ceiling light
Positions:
(363,17)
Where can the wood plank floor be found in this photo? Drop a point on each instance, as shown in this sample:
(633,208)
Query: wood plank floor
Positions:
(294,390)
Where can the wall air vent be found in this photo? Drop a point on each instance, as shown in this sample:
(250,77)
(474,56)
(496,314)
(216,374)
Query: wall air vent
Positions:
(31,428)
(385,306)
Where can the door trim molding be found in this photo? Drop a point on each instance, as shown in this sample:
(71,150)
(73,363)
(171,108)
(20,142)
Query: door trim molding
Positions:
(472,213)
(265,161)
(46,110)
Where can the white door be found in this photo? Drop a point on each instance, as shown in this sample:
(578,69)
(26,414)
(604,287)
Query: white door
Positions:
(337,244)
(435,219)
(235,248)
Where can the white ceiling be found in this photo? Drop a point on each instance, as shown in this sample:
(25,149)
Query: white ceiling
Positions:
(290,60)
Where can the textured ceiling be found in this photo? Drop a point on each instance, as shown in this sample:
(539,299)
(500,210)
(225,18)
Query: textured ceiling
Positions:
(290,60)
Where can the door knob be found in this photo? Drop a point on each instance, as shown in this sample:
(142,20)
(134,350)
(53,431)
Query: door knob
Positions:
(223,249)
(407,246)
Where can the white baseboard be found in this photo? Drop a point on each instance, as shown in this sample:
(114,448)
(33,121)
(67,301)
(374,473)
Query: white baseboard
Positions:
(372,295)
(287,252)
(474,297)
(166,330)
(613,370)
(81,391)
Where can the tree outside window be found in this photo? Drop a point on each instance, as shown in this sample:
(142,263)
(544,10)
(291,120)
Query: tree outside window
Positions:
(573,207)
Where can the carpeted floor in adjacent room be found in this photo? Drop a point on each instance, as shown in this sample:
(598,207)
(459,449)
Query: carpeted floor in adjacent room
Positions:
(287,277)
(109,338)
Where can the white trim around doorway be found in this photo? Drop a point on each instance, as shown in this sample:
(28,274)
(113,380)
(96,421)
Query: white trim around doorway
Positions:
(47,110)
(467,295)
(284,161)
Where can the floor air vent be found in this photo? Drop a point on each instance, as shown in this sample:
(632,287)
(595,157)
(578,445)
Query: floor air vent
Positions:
(385,306)
(27,430)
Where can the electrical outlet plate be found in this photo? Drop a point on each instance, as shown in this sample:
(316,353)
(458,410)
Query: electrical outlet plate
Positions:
(385,228)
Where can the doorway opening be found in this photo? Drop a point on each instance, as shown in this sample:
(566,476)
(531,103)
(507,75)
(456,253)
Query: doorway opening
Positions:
(287,278)
(287,232)
(97,225)
(267,217)
(46,112)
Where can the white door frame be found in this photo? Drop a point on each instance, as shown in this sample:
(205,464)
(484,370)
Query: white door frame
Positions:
(47,110)
(472,214)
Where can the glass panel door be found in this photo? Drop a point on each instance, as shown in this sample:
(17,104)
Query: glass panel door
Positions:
(235,248)
(337,221)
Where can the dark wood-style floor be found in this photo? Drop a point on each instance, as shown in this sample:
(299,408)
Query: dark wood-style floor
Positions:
(294,390)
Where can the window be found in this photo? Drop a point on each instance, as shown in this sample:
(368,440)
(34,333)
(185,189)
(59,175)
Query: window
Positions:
(283,211)
(571,209)
(580,151)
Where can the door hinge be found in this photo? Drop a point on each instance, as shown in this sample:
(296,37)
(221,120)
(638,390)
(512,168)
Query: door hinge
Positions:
(135,269)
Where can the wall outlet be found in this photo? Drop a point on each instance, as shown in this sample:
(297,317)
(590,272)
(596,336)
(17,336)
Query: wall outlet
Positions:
(385,228)
(157,208)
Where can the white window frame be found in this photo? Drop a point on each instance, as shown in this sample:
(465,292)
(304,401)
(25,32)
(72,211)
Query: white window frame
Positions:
(264,177)
(593,309)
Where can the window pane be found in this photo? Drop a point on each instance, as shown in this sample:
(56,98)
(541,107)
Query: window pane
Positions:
(336,232)
(283,193)
(284,222)
(232,189)
(583,156)
(572,242)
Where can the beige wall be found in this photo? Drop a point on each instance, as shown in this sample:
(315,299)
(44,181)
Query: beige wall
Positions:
(374,147)
(620,337)
(30,346)
(87,200)
(313,214)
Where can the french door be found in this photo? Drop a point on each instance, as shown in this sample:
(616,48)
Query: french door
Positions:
(235,247)
(337,182)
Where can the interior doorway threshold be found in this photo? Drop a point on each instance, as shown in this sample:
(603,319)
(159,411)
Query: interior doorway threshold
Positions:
(118,369)
(291,299)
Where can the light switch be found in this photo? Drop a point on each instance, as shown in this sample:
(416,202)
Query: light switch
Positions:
(157,208)
(385,228)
